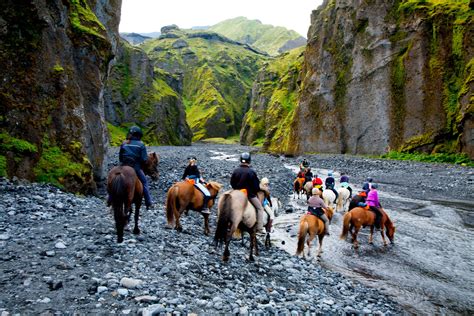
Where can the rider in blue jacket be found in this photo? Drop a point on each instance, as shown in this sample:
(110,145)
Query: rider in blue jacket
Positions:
(133,154)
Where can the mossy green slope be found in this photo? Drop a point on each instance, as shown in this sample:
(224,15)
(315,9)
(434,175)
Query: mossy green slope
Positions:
(267,38)
(451,29)
(137,95)
(213,75)
(268,121)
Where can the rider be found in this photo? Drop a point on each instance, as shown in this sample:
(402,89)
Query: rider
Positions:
(358,200)
(245,177)
(317,207)
(374,204)
(330,183)
(304,165)
(133,153)
(308,176)
(367,184)
(267,203)
(345,184)
(192,172)
(318,183)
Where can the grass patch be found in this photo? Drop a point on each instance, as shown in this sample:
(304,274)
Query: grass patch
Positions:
(117,134)
(233,140)
(460,159)
(3,166)
(20,146)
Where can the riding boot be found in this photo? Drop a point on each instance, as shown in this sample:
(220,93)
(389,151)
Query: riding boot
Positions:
(326,224)
(205,208)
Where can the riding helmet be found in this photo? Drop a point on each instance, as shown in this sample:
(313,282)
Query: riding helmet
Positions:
(344,179)
(315,191)
(245,157)
(330,173)
(374,186)
(264,181)
(370,179)
(135,131)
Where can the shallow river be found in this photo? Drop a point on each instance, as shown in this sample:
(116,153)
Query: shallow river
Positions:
(429,269)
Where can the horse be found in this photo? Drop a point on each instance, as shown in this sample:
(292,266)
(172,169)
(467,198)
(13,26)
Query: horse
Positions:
(343,200)
(329,197)
(298,187)
(276,205)
(124,188)
(235,215)
(360,217)
(308,187)
(183,196)
(312,225)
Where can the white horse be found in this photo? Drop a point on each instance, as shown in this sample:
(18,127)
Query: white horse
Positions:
(329,197)
(276,205)
(343,200)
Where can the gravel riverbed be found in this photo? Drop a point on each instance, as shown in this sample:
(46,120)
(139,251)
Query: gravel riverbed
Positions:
(59,256)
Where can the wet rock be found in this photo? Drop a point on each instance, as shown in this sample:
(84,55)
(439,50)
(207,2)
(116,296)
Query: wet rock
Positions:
(425,212)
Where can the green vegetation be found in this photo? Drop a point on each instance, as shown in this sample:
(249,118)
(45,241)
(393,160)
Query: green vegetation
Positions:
(117,134)
(84,20)
(216,76)
(3,166)
(219,140)
(264,37)
(16,145)
(461,159)
(56,165)
(58,68)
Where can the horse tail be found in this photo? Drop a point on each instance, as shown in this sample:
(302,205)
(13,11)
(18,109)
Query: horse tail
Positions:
(118,195)
(171,204)
(224,220)
(302,236)
(339,202)
(345,225)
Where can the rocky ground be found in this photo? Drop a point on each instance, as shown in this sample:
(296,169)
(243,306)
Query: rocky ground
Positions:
(59,255)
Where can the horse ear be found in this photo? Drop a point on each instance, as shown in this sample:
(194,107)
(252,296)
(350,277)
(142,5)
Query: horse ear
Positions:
(154,154)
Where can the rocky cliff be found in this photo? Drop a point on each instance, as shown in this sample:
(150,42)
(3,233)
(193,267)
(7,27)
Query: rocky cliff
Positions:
(135,94)
(387,75)
(274,99)
(54,57)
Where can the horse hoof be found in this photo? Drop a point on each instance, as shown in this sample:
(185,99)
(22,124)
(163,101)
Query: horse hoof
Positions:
(179,229)
(119,240)
(251,259)
(225,259)
(136,231)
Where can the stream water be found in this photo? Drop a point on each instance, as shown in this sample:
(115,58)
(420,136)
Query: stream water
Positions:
(429,269)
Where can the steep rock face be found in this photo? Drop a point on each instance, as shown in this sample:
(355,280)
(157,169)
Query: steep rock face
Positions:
(213,75)
(54,57)
(137,95)
(274,99)
(387,75)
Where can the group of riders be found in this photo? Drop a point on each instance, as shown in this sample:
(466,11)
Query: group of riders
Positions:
(367,198)
(133,153)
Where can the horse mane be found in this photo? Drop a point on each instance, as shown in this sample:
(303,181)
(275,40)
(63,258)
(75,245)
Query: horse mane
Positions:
(216,185)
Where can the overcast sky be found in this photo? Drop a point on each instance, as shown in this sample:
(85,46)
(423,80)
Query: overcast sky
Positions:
(150,15)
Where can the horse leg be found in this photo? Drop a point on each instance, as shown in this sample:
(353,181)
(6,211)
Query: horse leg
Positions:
(371,236)
(354,237)
(320,250)
(253,243)
(308,242)
(226,255)
(383,236)
(136,230)
(177,215)
(119,224)
(206,224)
(267,240)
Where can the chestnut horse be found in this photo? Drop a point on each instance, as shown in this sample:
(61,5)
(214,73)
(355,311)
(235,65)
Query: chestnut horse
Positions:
(184,196)
(124,188)
(298,187)
(361,217)
(313,226)
(235,215)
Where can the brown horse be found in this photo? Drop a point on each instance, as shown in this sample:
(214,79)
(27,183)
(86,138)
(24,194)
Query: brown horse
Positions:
(298,187)
(313,226)
(235,215)
(184,196)
(124,188)
(360,217)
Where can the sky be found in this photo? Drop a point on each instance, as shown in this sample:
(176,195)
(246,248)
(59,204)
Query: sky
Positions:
(144,16)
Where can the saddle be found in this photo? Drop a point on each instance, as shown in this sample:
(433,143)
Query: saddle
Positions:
(316,211)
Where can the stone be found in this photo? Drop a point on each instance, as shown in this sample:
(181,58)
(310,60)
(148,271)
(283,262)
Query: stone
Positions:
(130,283)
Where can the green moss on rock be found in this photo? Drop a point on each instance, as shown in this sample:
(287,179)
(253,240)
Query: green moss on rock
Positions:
(83,19)
(3,166)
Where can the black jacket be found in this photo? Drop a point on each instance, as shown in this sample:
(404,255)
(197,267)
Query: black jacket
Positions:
(191,172)
(245,177)
(330,182)
(133,153)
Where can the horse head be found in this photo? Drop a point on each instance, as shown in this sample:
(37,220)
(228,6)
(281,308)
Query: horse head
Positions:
(390,231)
(151,166)
(214,188)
